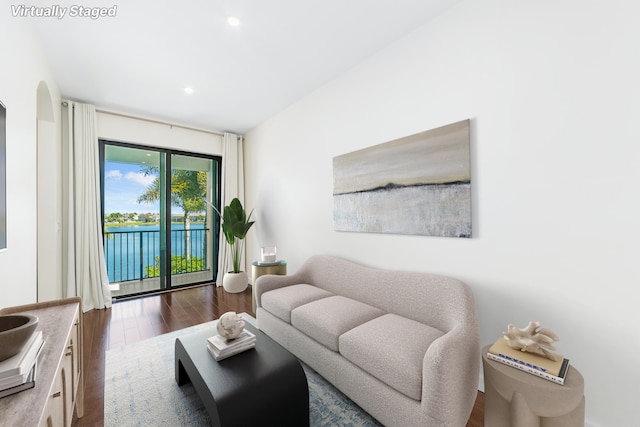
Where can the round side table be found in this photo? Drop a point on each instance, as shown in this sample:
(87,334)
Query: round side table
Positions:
(516,398)
(258,269)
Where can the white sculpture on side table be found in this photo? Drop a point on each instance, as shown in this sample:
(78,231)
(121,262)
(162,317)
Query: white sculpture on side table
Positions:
(532,340)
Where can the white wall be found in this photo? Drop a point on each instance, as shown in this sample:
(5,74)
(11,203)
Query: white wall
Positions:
(116,127)
(49,217)
(552,91)
(23,68)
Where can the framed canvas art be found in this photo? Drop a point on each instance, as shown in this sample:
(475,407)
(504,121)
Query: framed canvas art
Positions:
(419,184)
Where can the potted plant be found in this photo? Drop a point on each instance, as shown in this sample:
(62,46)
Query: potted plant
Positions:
(235,225)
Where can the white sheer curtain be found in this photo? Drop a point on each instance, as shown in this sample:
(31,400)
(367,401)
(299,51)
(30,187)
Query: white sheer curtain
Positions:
(84,269)
(232,186)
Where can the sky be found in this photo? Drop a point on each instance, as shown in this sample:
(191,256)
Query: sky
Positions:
(123,184)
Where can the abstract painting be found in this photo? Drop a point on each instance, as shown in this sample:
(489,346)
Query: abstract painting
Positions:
(419,184)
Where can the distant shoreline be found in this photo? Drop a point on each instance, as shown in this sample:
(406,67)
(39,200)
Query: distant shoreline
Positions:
(139,223)
(393,186)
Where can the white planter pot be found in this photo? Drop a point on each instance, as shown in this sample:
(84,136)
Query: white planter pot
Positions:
(235,282)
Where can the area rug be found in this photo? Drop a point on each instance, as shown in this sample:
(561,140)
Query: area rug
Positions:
(140,390)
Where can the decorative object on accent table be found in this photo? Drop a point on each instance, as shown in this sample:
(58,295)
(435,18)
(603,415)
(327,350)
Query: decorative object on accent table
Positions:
(233,338)
(235,225)
(230,325)
(268,255)
(528,349)
(532,339)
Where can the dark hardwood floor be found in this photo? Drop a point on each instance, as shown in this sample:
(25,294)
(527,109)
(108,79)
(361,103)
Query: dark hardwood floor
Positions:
(134,320)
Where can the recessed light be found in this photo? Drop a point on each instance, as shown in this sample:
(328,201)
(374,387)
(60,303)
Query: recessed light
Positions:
(188,90)
(233,21)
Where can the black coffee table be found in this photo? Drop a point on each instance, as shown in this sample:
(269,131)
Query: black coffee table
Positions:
(265,386)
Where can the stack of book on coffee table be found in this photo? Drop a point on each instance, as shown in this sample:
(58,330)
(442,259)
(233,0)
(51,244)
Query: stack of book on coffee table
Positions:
(18,372)
(221,348)
(540,366)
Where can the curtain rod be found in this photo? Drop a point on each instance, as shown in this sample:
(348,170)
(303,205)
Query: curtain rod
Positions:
(127,116)
(160,122)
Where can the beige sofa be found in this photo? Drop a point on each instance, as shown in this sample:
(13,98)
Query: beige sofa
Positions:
(402,345)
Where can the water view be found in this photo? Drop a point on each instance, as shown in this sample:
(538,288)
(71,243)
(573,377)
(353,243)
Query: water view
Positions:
(132,252)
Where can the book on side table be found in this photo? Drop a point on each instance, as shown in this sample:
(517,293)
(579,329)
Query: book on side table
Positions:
(540,366)
(221,348)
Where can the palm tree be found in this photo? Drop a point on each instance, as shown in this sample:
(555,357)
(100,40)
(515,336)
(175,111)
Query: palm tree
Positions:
(188,190)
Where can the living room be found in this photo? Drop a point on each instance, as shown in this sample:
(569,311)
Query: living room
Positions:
(551,92)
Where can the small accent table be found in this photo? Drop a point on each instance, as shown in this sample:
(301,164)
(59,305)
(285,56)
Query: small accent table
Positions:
(264,386)
(261,268)
(516,398)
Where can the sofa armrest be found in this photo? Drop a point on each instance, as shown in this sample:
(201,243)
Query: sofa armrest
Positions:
(269,282)
(451,369)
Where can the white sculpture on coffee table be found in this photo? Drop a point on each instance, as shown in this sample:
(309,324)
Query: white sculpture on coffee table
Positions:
(230,325)
(532,340)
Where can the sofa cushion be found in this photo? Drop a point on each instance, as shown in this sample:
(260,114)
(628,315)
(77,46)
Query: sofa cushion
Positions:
(392,349)
(326,319)
(281,301)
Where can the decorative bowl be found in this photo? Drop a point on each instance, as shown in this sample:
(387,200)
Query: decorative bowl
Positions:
(15,331)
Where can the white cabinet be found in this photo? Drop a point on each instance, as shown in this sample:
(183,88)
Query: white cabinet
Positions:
(59,381)
(54,408)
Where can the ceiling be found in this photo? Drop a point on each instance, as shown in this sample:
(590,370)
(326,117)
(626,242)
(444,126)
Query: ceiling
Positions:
(140,61)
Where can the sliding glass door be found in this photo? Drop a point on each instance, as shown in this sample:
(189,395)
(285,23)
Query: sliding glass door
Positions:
(192,239)
(160,231)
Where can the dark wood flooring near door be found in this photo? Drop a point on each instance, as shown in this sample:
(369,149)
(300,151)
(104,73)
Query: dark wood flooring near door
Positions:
(137,319)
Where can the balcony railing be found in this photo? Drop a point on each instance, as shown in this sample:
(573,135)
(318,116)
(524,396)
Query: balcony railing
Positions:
(134,255)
